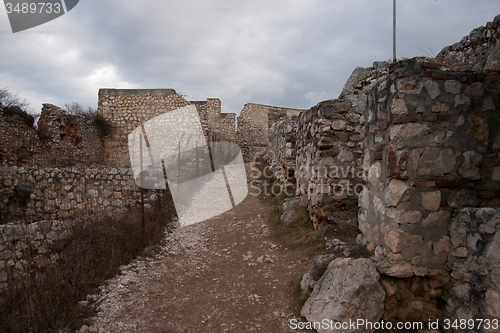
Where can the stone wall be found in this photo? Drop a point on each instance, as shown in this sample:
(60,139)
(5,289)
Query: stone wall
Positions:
(22,241)
(216,126)
(474,262)
(32,193)
(318,152)
(432,146)
(254,124)
(127,109)
(61,139)
(329,154)
(479,51)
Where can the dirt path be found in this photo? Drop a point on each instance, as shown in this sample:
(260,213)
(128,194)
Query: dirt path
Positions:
(227,274)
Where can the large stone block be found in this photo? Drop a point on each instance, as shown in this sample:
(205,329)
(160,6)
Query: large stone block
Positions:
(470,166)
(436,162)
(452,87)
(463,198)
(432,88)
(349,289)
(399,107)
(396,239)
(436,219)
(404,132)
(478,129)
(397,162)
(404,216)
(396,192)
(431,200)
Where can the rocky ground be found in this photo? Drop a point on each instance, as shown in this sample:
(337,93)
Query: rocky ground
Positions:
(228,274)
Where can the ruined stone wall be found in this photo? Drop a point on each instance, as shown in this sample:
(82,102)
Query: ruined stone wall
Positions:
(329,153)
(127,109)
(474,262)
(320,149)
(282,152)
(227,127)
(479,51)
(254,124)
(61,139)
(216,126)
(32,193)
(432,148)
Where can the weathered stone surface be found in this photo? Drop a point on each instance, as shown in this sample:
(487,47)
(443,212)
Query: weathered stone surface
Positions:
(493,61)
(470,166)
(431,200)
(339,125)
(462,102)
(403,132)
(404,216)
(410,86)
(462,198)
(404,270)
(436,218)
(289,216)
(432,88)
(290,204)
(307,283)
(399,107)
(488,104)
(440,107)
(475,89)
(452,87)
(478,129)
(375,173)
(495,176)
(492,304)
(436,162)
(350,288)
(397,162)
(396,239)
(395,192)
(345,156)
(319,265)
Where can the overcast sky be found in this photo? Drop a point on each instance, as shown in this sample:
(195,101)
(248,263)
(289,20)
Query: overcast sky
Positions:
(290,53)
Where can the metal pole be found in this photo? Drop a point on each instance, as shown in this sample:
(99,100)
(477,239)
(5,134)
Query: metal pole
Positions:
(179,168)
(197,156)
(143,224)
(394,32)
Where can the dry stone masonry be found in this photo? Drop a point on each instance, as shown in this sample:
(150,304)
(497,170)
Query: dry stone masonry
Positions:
(255,123)
(127,109)
(70,164)
(411,149)
(427,142)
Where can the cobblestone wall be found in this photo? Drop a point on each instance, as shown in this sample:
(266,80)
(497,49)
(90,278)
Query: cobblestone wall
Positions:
(35,238)
(254,124)
(61,139)
(323,149)
(216,126)
(31,193)
(126,109)
(432,148)
(474,262)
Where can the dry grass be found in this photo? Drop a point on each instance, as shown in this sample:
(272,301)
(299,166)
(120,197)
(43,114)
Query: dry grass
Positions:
(47,297)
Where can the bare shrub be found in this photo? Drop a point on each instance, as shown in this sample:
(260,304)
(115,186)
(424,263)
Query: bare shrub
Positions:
(99,122)
(45,296)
